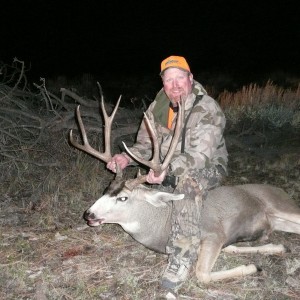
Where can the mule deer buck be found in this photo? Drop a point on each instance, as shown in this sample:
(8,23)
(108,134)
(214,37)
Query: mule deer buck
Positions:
(230,214)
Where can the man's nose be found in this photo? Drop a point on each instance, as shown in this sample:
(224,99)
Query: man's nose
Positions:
(175,83)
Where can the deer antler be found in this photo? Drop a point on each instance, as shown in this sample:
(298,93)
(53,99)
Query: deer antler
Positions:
(86,147)
(106,156)
(154,163)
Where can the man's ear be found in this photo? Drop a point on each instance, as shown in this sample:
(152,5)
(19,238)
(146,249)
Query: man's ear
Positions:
(160,199)
(191,77)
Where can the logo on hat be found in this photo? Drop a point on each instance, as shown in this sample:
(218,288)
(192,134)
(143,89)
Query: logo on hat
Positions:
(172,61)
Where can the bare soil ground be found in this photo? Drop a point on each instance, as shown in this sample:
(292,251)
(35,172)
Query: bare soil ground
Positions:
(47,251)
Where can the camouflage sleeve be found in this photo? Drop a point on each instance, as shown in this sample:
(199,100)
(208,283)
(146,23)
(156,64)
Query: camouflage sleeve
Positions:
(204,143)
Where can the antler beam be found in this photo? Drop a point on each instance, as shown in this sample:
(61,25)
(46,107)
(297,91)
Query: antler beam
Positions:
(86,147)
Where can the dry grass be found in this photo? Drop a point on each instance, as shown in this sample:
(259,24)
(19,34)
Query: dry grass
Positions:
(261,108)
(260,96)
(47,251)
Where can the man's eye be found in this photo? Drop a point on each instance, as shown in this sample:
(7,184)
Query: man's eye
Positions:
(122,199)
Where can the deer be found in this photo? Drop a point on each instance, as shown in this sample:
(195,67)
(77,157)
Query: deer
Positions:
(230,214)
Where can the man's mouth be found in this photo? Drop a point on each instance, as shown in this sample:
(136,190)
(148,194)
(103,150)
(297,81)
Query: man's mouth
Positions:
(177,91)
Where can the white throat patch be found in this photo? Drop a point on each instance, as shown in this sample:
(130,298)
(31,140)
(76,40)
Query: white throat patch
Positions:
(131,226)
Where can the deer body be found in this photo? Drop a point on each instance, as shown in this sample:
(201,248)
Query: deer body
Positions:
(230,214)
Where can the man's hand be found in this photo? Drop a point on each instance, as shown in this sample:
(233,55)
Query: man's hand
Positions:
(119,159)
(152,179)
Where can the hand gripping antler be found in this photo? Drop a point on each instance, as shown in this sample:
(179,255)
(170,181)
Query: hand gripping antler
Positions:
(86,147)
(154,163)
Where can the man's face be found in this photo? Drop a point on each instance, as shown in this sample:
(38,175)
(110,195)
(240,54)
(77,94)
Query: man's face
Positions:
(177,84)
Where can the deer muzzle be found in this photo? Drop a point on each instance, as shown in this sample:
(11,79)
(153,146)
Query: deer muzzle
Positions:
(91,219)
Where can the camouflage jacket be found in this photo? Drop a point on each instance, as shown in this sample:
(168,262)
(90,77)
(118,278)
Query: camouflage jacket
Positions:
(204,142)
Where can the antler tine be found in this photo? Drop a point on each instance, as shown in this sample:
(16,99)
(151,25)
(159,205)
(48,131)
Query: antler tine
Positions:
(154,162)
(86,147)
(107,126)
(176,136)
(132,183)
(151,125)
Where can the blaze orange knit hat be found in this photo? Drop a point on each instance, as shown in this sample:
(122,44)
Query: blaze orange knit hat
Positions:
(174,62)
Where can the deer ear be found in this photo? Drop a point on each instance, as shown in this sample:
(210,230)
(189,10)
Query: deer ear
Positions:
(160,199)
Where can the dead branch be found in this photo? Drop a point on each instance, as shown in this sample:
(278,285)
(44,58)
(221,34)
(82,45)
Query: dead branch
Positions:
(26,118)
(78,99)
(21,76)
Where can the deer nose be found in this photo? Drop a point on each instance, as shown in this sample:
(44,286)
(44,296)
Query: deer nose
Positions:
(88,216)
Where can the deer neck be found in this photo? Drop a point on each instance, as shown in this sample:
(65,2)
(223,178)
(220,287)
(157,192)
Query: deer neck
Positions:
(152,229)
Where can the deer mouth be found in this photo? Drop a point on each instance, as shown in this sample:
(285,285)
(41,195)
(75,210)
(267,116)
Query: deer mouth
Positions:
(96,222)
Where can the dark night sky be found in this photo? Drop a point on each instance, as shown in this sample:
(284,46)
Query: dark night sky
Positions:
(132,37)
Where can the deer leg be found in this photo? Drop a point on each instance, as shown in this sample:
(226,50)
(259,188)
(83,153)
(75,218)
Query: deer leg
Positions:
(265,249)
(207,255)
(288,222)
(209,251)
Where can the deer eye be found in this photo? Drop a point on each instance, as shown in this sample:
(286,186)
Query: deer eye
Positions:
(122,199)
